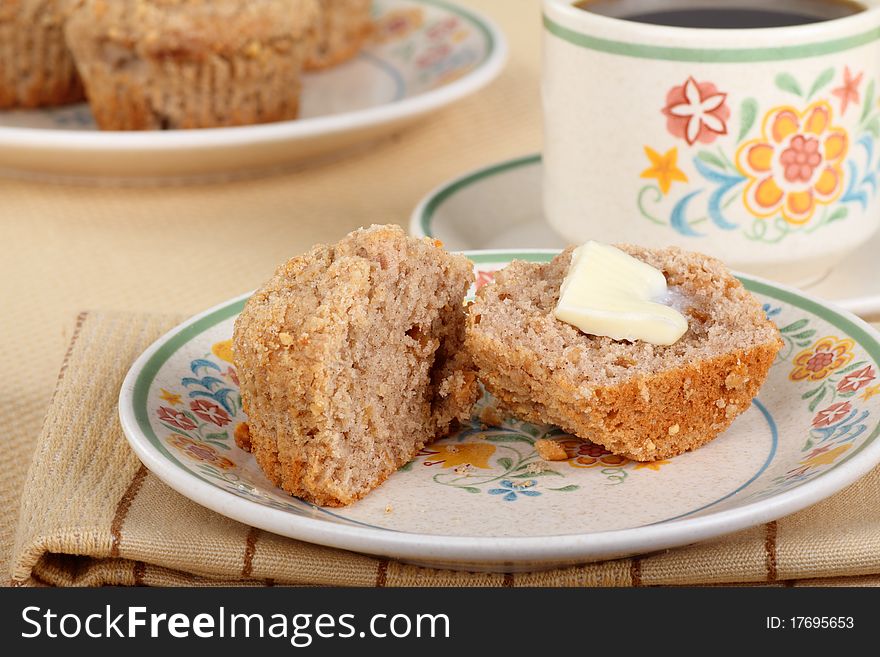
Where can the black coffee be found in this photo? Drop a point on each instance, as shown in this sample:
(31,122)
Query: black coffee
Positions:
(730,15)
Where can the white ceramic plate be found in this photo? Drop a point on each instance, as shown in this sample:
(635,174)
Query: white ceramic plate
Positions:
(499,207)
(425,55)
(472,500)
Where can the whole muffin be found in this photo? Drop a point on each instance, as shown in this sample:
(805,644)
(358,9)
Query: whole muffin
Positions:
(165,64)
(36,69)
(340,33)
(350,359)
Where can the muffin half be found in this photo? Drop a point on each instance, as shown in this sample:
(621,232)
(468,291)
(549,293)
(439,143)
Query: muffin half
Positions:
(643,401)
(350,359)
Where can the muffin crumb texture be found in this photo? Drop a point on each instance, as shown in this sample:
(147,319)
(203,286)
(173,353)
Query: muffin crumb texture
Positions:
(351,360)
(167,64)
(640,400)
(36,68)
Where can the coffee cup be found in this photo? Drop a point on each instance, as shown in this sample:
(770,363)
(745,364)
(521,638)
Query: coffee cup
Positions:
(720,126)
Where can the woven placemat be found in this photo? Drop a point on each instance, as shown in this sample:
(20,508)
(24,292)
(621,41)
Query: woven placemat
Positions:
(91,514)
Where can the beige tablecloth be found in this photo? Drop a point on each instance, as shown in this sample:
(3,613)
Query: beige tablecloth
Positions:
(177,250)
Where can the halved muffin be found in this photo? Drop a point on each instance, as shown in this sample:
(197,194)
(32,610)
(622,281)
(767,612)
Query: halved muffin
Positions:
(643,401)
(350,360)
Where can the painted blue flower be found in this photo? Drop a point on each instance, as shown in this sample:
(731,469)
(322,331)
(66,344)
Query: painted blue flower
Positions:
(510,489)
(770,311)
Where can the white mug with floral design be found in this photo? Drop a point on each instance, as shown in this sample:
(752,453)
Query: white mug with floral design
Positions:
(758,146)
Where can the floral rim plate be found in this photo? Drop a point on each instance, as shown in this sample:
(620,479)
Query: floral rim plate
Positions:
(499,206)
(477,499)
(425,54)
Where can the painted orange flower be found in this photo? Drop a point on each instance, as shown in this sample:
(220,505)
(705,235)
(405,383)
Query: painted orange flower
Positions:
(816,362)
(873,391)
(223,350)
(585,454)
(796,164)
(200,451)
(452,455)
(170,397)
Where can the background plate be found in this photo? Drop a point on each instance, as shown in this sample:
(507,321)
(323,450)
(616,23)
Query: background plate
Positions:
(425,55)
(475,500)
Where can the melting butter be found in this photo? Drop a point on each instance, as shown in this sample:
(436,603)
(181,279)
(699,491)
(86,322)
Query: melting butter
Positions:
(608,292)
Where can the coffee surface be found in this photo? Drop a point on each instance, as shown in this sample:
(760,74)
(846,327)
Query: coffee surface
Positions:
(724,18)
(697,13)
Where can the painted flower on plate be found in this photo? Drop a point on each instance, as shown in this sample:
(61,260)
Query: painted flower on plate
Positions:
(210,412)
(170,397)
(585,454)
(200,451)
(818,361)
(434,55)
(175,418)
(484,278)
(872,391)
(443,28)
(397,24)
(223,350)
(826,458)
(232,375)
(857,380)
(818,450)
(831,415)
(771,311)
(452,455)
(510,489)
(795,165)
(696,112)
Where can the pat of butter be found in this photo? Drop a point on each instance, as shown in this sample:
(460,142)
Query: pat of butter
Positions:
(608,292)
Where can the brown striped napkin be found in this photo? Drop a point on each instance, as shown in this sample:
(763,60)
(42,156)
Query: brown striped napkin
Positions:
(91,514)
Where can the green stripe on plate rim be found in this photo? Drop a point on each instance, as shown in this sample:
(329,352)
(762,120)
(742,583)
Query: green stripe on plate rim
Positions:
(151,368)
(710,55)
(449,190)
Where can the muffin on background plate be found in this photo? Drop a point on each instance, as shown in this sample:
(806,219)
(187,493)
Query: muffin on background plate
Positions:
(36,69)
(166,64)
(341,31)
